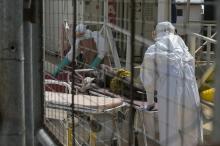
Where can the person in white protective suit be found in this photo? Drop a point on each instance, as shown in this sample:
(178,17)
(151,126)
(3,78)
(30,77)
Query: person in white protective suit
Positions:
(168,68)
(83,33)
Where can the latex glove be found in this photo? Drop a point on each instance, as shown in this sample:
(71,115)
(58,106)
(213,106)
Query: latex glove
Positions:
(60,66)
(95,62)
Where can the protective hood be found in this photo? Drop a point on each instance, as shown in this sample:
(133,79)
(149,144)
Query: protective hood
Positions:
(163,29)
(168,56)
(81,28)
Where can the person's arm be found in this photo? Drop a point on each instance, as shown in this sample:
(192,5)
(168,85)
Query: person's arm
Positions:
(65,61)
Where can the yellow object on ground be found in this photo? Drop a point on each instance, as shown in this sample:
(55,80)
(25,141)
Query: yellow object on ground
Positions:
(93,138)
(70,137)
(208,95)
(116,84)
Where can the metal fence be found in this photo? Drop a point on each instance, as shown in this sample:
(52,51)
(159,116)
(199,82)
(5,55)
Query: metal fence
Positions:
(94,96)
(82,84)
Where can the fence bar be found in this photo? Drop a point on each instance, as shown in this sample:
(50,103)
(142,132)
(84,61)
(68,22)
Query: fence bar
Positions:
(74,18)
(132,44)
(209,46)
(12,121)
(138,38)
(128,53)
(209,40)
(205,43)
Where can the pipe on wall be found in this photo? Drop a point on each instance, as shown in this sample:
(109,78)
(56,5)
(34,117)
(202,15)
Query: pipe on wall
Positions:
(28,77)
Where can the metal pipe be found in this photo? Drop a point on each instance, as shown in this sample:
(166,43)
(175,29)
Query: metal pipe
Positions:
(137,37)
(205,43)
(38,57)
(123,31)
(28,78)
(128,53)
(208,57)
(132,44)
(74,13)
(216,128)
(186,21)
(208,39)
(44,138)
(12,115)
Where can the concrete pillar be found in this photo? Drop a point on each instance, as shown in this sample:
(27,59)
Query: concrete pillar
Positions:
(12,115)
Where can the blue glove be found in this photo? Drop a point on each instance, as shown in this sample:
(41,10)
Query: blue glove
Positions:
(60,66)
(95,62)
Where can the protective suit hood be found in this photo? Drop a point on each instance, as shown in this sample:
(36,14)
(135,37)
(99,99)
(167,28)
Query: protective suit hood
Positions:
(81,28)
(163,29)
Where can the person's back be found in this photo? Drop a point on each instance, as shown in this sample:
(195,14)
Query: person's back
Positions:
(168,68)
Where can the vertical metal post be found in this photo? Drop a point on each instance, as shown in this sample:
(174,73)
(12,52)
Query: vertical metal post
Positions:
(110,38)
(192,45)
(38,57)
(187,11)
(82,10)
(208,53)
(28,78)
(128,53)
(105,14)
(12,115)
(113,47)
(163,10)
(217,79)
(186,21)
(74,17)
(132,44)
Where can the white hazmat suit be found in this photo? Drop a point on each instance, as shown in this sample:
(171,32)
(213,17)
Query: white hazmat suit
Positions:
(80,28)
(168,68)
(85,34)
(98,38)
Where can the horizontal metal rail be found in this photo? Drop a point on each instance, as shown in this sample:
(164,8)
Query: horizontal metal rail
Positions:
(208,39)
(123,31)
(205,43)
